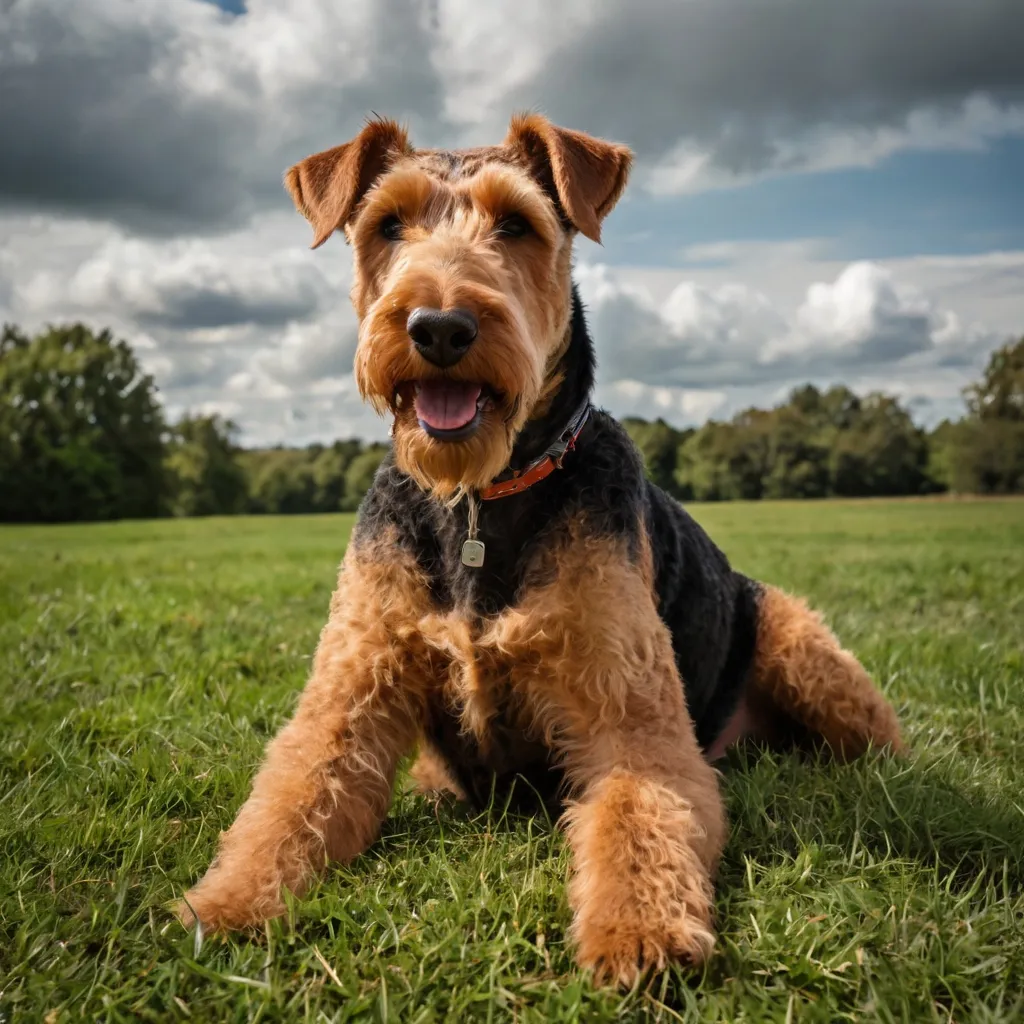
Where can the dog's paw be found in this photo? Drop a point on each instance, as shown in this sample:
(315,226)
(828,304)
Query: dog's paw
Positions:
(619,950)
(183,911)
(217,906)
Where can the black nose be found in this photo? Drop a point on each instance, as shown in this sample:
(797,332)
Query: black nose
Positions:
(441,336)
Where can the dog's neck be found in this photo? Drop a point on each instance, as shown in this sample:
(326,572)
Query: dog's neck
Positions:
(576,369)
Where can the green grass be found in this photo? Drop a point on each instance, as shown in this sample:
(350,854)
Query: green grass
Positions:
(144,665)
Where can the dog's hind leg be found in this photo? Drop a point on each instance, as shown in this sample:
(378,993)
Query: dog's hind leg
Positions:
(326,782)
(801,669)
(431,777)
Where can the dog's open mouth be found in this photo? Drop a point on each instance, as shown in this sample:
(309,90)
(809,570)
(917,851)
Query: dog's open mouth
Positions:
(450,410)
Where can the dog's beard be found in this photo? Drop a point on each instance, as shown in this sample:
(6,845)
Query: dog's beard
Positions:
(448,469)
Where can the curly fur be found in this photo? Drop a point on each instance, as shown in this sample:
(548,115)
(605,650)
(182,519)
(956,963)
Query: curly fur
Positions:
(604,651)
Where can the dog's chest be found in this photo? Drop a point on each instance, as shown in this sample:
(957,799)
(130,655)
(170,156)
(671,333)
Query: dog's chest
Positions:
(482,571)
(478,715)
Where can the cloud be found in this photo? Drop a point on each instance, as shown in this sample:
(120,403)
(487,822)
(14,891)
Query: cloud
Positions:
(697,336)
(694,166)
(729,335)
(314,355)
(861,317)
(743,88)
(170,117)
(7,273)
(254,319)
(178,116)
(647,401)
(186,285)
(144,144)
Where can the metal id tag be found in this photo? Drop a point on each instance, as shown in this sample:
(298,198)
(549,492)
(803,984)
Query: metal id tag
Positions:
(473,553)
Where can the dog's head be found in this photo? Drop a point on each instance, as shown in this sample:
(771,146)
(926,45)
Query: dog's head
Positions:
(462,279)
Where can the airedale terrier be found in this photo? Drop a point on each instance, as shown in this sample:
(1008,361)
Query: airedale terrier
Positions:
(517,598)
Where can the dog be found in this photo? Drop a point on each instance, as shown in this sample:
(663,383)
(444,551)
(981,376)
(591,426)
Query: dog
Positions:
(517,599)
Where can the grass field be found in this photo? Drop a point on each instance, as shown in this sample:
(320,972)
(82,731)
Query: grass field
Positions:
(144,665)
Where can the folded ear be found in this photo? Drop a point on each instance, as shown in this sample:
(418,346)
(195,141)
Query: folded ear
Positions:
(328,186)
(587,174)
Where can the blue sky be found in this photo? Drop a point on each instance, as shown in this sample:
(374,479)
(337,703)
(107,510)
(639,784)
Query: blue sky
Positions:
(954,203)
(823,190)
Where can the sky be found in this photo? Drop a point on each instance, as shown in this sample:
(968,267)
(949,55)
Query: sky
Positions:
(824,190)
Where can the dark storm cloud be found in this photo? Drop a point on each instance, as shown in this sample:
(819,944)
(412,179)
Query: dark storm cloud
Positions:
(87,129)
(196,307)
(109,110)
(103,116)
(739,76)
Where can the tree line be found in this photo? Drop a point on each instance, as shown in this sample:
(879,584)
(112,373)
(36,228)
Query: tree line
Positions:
(834,443)
(83,437)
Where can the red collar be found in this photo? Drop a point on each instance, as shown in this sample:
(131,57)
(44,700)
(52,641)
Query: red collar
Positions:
(520,480)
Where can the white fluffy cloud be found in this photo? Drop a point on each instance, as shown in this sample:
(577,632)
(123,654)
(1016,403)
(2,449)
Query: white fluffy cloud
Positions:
(861,317)
(702,346)
(249,324)
(254,324)
(270,339)
(186,285)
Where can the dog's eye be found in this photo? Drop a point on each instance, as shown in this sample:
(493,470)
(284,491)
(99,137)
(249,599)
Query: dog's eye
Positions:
(513,226)
(391,228)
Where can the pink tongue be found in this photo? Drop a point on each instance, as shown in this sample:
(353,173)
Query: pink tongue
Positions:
(446,404)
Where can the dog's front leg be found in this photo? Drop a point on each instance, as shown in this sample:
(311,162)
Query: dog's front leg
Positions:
(646,832)
(646,823)
(327,778)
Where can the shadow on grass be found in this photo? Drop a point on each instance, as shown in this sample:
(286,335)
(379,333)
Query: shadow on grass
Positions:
(921,809)
(779,803)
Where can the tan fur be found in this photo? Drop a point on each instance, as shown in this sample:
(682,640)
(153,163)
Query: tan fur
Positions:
(581,667)
(327,187)
(802,670)
(326,782)
(588,174)
(431,776)
(590,666)
(519,290)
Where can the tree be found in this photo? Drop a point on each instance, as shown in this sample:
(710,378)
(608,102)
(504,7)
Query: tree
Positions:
(988,457)
(80,428)
(329,469)
(202,464)
(659,446)
(724,461)
(985,452)
(279,481)
(813,445)
(360,473)
(282,480)
(12,338)
(882,452)
(999,395)
(797,455)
